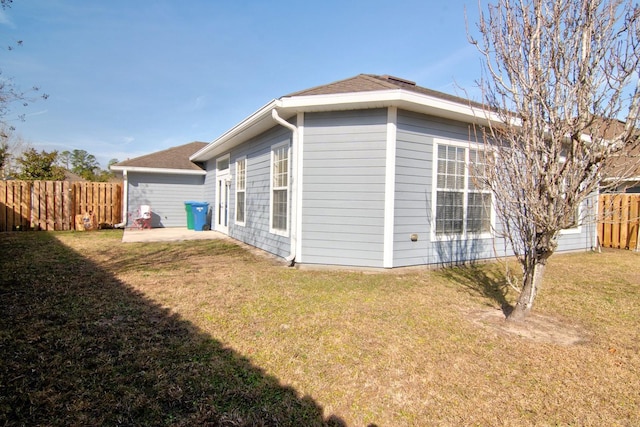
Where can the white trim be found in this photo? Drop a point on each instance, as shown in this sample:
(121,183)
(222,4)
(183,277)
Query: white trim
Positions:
(158,170)
(260,121)
(284,233)
(578,228)
(219,159)
(626,179)
(225,175)
(297,188)
(244,190)
(390,186)
(125,200)
(400,98)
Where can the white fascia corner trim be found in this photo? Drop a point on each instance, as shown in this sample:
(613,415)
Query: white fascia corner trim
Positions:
(390,186)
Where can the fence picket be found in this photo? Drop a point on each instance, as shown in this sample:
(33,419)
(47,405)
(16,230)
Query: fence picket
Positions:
(619,220)
(53,205)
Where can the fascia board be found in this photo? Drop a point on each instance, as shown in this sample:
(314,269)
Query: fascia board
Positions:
(400,98)
(157,170)
(261,120)
(625,179)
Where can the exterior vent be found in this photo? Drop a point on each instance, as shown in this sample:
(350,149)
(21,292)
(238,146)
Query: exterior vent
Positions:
(398,80)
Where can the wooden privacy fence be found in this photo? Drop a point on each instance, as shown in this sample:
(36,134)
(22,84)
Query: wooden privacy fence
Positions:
(53,205)
(619,220)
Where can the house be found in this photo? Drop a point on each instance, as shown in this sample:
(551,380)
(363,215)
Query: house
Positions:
(368,171)
(624,172)
(164,180)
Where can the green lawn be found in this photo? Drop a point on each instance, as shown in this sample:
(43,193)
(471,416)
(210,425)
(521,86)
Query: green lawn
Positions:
(96,332)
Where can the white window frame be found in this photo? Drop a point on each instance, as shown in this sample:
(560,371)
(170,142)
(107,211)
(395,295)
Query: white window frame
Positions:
(241,190)
(577,229)
(437,142)
(273,188)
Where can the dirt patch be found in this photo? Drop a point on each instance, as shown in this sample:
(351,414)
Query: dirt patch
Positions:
(536,327)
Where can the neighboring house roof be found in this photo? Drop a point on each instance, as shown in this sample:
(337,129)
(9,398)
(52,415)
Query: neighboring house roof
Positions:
(358,92)
(72,177)
(172,160)
(621,167)
(625,168)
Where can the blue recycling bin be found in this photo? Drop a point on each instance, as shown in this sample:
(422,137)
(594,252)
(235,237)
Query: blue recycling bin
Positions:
(200,211)
(189,211)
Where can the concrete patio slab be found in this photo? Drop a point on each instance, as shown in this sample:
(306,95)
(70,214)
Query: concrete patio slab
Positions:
(169,234)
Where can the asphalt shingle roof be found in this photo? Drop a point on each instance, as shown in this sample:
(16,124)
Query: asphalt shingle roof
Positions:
(171,158)
(373,82)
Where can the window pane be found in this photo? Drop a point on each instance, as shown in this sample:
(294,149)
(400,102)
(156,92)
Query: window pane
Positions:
(449,212)
(280,167)
(479,213)
(477,165)
(240,206)
(223,164)
(240,175)
(450,174)
(279,220)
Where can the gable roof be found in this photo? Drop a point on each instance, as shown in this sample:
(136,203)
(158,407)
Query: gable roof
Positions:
(172,160)
(359,92)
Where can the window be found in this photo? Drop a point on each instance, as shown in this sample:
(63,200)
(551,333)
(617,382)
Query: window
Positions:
(279,188)
(575,221)
(223,164)
(462,205)
(241,185)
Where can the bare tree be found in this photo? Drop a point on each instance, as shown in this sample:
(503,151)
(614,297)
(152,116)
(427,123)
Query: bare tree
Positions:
(11,145)
(10,93)
(561,83)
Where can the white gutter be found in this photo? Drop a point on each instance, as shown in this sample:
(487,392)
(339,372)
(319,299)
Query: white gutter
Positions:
(293,215)
(140,169)
(400,98)
(260,120)
(125,199)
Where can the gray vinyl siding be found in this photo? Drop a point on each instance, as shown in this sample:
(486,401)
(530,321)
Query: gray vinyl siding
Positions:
(585,236)
(209,191)
(165,194)
(413,195)
(256,232)
(344,183)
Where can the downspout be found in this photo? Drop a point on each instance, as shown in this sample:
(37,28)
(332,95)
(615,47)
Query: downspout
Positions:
(291,258)
(125,200)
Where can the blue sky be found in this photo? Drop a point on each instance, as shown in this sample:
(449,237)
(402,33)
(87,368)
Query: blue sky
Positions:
(127,78)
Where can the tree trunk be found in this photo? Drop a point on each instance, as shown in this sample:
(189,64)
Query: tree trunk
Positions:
(532,282)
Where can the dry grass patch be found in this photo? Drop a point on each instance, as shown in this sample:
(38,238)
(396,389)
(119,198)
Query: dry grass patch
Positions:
(399,348)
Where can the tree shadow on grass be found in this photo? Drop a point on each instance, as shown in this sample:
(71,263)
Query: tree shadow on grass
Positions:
(485,280)
(79,347)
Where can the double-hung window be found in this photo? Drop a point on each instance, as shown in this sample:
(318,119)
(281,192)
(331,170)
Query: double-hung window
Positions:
(241,186)
(279,188)
(462,205)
